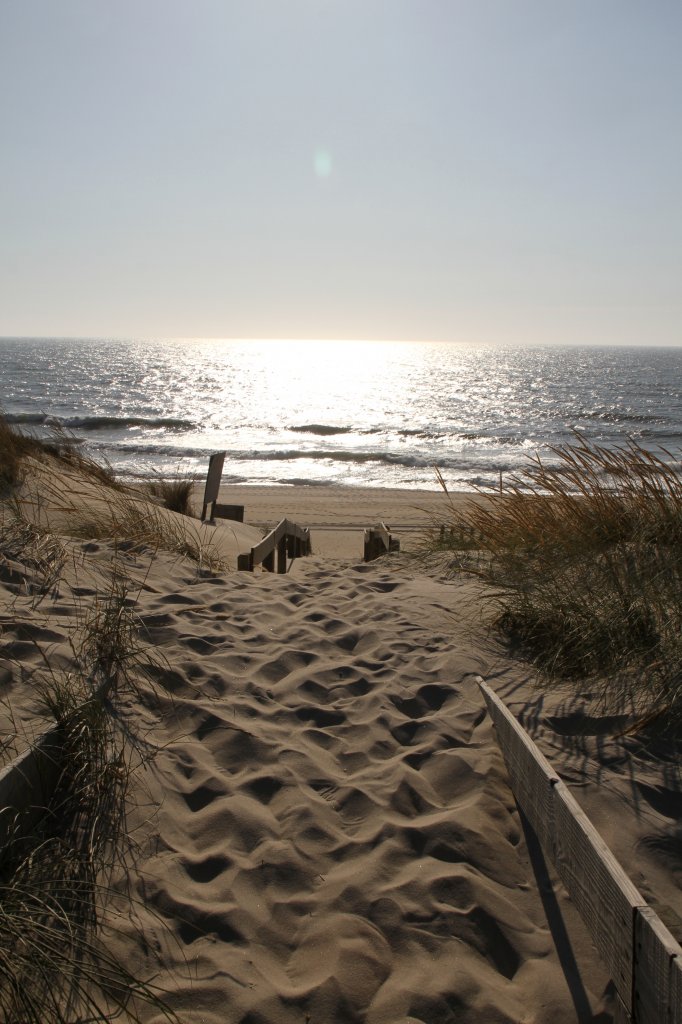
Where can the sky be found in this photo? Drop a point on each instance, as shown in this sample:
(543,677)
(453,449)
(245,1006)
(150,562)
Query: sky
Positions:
(498,171)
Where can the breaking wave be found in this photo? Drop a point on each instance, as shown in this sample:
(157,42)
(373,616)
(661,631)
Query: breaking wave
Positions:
(99,422)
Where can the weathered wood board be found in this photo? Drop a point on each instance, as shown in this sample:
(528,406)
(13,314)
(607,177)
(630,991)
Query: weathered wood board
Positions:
(643,958)
(532,776)
(213,477)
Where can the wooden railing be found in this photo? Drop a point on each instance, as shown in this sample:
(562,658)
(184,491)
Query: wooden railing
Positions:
(287,540)
(378,541)
(643,958)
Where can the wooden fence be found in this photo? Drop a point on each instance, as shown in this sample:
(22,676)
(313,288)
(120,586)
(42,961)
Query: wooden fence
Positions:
(643,958)
(287,540)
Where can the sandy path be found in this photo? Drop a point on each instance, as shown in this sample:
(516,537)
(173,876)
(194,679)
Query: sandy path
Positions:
(336,840)
(326,832)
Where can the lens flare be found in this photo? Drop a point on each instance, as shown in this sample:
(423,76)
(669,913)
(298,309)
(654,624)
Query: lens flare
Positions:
(322,163)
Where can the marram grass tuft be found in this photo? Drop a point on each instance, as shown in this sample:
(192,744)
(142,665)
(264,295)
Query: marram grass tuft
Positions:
(587,553)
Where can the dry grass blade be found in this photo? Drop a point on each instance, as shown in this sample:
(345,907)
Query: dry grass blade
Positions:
(64,447)
(36,549)
(131,521)
(95,505)
(14,448)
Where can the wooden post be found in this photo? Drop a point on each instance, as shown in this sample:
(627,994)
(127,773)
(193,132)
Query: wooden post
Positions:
(378,541)
(215,471)
(245,562)
(282,555)
(268,562)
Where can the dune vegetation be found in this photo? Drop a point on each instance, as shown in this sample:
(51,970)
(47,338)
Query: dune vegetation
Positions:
(175,493)
(57,855)
(16,447)
(586,554)
(96,505)
(57,863)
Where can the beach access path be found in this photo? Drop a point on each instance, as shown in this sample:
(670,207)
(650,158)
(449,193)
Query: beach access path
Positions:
(325,832)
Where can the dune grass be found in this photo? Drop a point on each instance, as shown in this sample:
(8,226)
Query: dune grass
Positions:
(37,549)
(175,494)
(588,555)
(55,872)
(124,516)
(56,868)
(16,447)
(138,524)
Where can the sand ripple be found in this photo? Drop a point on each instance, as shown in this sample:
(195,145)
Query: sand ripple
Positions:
(336,842)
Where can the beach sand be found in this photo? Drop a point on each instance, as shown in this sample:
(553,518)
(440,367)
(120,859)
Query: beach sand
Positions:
(338,516)
(325,831)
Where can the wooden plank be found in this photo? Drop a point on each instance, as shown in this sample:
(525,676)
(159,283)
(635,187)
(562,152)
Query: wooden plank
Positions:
(375,545)
(27,783)
(263,548)
(213,476)
(656,951)
(532,776)
(294,530)
(282,555)
(235,513)
(268,562)
(620,1014)
(605,897)
(378,541)
(676,990)
(264,552)
(382,531)
(643,958)
(294,545)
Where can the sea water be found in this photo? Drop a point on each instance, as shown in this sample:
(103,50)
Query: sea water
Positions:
(351,413)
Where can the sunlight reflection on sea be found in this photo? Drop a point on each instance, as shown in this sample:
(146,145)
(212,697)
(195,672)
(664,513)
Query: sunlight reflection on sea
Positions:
(355,413)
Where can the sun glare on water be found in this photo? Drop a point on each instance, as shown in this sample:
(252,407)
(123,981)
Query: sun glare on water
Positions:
(317,372)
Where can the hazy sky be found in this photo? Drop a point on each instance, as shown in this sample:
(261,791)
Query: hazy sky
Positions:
(477,170)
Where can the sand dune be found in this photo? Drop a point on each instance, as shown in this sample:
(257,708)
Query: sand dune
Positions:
(325,832)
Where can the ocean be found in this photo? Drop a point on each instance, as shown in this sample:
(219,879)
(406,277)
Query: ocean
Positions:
(379,414)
